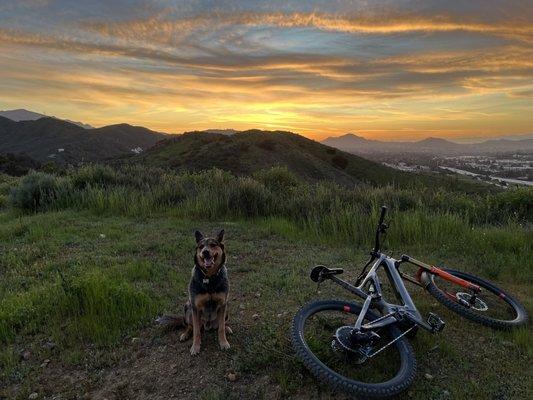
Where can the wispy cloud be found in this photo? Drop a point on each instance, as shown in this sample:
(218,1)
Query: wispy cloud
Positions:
(319,71)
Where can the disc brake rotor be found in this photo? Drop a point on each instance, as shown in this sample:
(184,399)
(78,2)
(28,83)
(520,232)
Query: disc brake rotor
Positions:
(478,304)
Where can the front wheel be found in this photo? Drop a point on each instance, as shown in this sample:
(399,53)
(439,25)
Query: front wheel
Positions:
(493,307)
(380,364)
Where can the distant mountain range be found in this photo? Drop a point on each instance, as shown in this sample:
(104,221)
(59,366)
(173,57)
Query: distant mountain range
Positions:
(359,145)
(52,139)
(25,115)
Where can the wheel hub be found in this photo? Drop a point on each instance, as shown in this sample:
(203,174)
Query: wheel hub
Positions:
(475,304)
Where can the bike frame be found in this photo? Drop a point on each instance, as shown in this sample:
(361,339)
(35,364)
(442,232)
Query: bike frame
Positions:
(369,288)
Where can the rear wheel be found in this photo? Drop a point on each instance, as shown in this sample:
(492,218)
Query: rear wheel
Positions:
(378,364)
(493,307)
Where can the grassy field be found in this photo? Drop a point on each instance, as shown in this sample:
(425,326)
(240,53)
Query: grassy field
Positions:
(92,257)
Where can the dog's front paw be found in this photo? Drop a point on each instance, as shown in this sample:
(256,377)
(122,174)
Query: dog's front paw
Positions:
(224,345)
(195,349)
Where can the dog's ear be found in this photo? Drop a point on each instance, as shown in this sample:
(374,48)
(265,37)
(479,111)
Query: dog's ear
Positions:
(199,236)
(220,236)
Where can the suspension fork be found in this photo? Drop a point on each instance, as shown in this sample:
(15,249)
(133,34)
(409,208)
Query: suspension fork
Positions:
(423,267)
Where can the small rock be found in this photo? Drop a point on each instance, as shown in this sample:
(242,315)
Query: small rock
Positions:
(102,236)
(428,376)
(446,393)
(33,396)
(241,306)
(49,345)
(255,316)
(45,363)
(134,340)
(232,377)
(279,315)
(25,355)
(258,295)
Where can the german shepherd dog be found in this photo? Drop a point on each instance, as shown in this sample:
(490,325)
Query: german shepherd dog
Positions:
(207,306)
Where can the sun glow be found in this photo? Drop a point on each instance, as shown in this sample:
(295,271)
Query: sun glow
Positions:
(380,71)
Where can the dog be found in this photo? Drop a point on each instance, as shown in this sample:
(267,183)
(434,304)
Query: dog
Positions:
(207,306)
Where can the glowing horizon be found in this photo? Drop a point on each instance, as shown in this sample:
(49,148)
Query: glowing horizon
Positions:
(381,70)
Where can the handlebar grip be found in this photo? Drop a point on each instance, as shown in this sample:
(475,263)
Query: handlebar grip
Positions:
(382,216)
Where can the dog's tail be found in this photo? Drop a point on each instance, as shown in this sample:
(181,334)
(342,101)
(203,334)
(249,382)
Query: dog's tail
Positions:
(170,322)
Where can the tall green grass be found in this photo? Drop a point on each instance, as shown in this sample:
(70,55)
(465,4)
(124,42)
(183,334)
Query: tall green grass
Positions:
(95,306)
(493,227)
(135,190)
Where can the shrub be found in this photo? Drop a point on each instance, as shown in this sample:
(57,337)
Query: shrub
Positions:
(339,161)
(93,175)
(267,144)
(35,192)
(249,197)
(277,179)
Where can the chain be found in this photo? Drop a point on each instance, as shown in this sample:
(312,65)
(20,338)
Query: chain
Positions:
(391,342)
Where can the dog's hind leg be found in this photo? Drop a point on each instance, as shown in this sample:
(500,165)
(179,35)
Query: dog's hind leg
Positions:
(186,334)
(187,311)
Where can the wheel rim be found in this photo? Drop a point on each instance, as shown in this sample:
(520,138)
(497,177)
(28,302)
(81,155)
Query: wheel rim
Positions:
(318,335)
(491,302)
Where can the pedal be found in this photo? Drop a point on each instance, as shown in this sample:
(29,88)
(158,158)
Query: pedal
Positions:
(436,323)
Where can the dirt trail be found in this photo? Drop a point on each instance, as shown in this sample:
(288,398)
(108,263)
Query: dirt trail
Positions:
(156,366)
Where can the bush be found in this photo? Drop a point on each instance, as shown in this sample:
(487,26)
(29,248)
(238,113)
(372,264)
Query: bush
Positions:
(267,144)
(35,192)
(249,198)
(339,161)
(93,175)
(277,179)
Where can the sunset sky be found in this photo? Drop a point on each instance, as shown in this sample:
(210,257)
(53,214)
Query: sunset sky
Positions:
(381,69)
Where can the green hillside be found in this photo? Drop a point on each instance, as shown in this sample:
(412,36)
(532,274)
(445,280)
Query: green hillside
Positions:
(51,139)
(250,151)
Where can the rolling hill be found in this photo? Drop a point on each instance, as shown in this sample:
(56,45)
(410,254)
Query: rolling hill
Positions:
(22,114)
(359,145)
(51,139)
(249,151)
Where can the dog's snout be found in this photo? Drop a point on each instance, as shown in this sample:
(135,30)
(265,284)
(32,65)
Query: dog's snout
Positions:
(206,253)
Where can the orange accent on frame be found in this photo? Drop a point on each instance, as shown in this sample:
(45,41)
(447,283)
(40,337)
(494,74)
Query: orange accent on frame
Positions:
(449,277)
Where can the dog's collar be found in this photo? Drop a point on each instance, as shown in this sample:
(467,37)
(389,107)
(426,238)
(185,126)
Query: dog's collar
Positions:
(205,279)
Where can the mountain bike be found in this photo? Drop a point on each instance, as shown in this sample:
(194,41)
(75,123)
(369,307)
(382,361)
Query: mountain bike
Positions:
(362,348)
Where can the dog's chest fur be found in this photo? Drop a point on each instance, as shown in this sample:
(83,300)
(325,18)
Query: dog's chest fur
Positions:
(208,294)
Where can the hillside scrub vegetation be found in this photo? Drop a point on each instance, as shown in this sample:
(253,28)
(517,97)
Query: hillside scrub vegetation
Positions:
(490,227)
